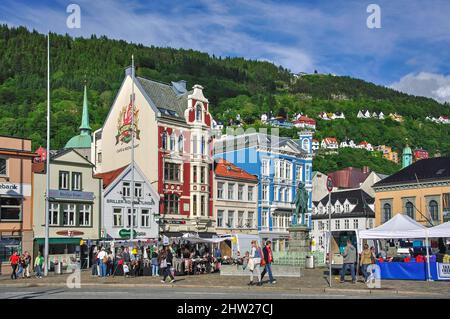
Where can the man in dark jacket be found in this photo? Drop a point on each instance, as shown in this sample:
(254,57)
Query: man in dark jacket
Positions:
(268,258)
(349,261)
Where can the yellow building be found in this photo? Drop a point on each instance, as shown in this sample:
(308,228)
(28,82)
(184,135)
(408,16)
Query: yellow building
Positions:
(420,190)
(388,153)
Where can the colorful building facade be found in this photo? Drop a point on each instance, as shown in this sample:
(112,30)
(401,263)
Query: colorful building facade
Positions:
(280,164)
(172,146)
(16,198)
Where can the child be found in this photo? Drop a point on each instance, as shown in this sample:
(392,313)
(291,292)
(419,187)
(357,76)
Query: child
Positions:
(126,270)
(245,260)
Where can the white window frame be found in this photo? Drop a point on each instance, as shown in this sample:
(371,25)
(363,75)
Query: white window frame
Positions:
(220,190)
(126,189)
(85,209)
(128,220)
(119,215)
(219,218)
(145,218)
(54,212)
(70,210)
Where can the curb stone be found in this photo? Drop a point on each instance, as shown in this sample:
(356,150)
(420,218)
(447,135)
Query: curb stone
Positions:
(299,290)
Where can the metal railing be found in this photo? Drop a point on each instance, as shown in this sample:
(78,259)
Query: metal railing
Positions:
(297,258)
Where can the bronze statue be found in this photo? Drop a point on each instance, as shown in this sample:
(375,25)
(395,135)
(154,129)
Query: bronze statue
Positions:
(301,205)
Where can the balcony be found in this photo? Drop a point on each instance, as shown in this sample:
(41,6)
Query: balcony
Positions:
(283,205)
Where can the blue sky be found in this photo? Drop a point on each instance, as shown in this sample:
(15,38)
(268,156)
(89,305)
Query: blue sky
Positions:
(411,51)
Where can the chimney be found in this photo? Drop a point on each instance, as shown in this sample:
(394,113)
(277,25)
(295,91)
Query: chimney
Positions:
(365,169)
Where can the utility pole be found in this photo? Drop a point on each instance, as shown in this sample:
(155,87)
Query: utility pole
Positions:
(47,170)
(132,148)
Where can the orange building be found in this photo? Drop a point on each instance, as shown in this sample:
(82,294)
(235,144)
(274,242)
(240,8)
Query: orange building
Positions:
(388,153)
(16,219)
(420,190)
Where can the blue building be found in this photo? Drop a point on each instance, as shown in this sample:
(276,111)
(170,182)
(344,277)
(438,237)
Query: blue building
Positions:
(280,164)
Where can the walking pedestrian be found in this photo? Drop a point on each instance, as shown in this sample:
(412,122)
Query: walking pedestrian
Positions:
(155,264)
(268,258)
(166,265)
(27,264)
(366,259)
(349,261)
(21,266)
(103,260)
(94,262)
(38,263)
(255,263)
(14,260)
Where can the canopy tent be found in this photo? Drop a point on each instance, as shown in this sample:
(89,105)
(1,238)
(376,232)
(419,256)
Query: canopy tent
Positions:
(442,230)
(399,226)
(195,239)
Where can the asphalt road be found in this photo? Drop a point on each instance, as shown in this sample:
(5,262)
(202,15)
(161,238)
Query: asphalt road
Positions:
(174,292)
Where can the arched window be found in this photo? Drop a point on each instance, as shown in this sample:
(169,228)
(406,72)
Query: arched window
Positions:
(198,113)
(387,212)
(180,143)
(410,209)
(172,141)
(433,208)
(305,144)
(164,140)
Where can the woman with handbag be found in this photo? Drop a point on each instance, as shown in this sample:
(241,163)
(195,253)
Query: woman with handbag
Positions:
(166,258)
(254,264)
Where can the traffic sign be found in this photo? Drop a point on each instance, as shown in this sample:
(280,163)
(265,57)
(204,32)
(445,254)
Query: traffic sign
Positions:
(329,184)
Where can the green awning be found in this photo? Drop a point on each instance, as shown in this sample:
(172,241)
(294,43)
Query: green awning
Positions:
(71,241)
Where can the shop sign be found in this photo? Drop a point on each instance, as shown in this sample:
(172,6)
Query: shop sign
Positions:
(443,271)
(125,233)
(128,202)
(69,233)
(56,193)
(173,221)
(15,189)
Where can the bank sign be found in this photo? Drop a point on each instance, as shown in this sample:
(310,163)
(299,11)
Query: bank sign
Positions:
(15,189)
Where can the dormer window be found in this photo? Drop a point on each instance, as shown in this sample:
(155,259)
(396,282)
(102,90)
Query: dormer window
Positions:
(198,113)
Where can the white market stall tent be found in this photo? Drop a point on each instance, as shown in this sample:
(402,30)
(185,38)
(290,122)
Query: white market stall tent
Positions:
(398,227)
(440,231)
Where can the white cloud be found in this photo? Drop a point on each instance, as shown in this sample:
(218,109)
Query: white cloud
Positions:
(433,85)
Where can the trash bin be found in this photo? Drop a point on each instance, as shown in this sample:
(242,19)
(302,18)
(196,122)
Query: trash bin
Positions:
(309,262)
(58,268)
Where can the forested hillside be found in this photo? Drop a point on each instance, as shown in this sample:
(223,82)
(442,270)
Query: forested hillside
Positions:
(233,86)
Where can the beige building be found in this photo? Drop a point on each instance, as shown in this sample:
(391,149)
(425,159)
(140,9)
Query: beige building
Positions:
(75,206)
(420,190)
(235,199)
(16,203)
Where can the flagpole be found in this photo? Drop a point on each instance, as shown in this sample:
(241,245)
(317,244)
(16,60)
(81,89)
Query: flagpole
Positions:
(132,148)
(47,192)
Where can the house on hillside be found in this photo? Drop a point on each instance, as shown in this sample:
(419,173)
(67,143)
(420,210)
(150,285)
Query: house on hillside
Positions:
(363,114)
(338,115)
(387,152)
(315,145)
(365,145)
(305,122)
(396,117)
(329,143)
(347,143)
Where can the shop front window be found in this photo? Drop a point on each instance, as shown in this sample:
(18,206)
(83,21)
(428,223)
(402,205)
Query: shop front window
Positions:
(10,209)
(8,245)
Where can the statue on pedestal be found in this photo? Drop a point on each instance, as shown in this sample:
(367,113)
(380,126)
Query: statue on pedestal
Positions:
(301,205)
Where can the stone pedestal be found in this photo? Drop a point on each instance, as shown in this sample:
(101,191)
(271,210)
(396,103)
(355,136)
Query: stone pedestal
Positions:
(299,241)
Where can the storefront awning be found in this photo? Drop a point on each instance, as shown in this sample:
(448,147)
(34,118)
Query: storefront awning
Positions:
(68,241)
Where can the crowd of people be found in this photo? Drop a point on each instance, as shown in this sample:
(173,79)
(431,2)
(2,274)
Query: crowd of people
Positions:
(153,260)
(22,267)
